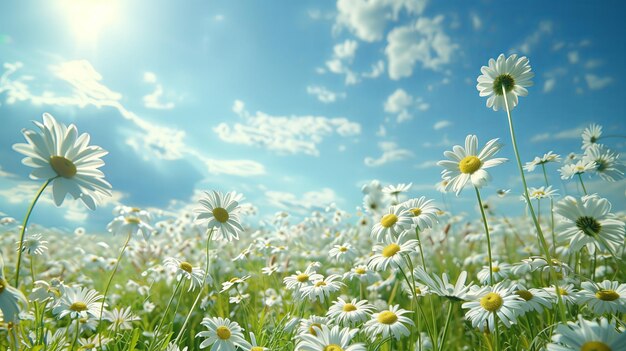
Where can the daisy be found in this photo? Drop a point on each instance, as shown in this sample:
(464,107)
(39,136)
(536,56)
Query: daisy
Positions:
(373,203)
(442,286)
(541,193)
(391,252)
(391,322)
(498,271)
(221,212)
(10,299)
(328,339)
(79,302)
(588,335)
(233,282)
(254,346)
(423,212)
(223,334)
(608,165)
(184,269)
(589,222)
(350,313)
(362,273)
(442,186)
(535,299)
(394,222)
(467,164)
(606,297)
(591,135)
(343,253)
(568,293)
(302,279)
(322,288)
(568,171)
(549,157)
(312,324)
(121,318)
(489,302)
(510,76)
(59,154)
(394,191)
(34,245)
(132,222)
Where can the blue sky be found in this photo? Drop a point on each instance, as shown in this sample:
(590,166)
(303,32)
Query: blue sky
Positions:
(298,103)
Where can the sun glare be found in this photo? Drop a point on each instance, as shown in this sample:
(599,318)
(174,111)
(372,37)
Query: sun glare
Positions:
(89,18)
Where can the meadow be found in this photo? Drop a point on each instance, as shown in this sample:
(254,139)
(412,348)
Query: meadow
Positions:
(402,273)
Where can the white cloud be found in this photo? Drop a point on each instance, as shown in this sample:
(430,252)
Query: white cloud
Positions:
(5,174)
(343,54)
(427,164)
(153,100)
(367,19)
(400,102)
(324,95)
(284,134)
(595,83)
(424,42)
(573,57)
(382,131)
(591,64)
(149,77)
(477,23)
(391,153)
(442,124)
(573,133)
(311,200)
(544,28)
(549,84)
(377,69)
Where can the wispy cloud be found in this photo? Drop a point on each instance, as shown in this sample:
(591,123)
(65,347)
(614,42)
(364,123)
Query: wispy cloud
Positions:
(391,153)
(544,28)
(153,100)
(442,124)
(477,23)
(309,201)
(323,94)
(284,134)
(573,133)
(343,55)
(596,83)
(400,103)
(549,84)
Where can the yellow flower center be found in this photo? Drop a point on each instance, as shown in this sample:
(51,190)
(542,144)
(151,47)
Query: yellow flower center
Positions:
(418,291)
(257,348)
(302,278)
(416,211)
(312,330)
(388,220)
(64,167)
(359,271)
(223,332)
(333,347)
(78,306)
(233,280)
(524,294)
(538,193)
(343,249)
(186,266)
(387,317)
(320,283)
(220,214)
(469,164)
(491,302)
(132,220)
(391,250)
(3,285)
(595,346)
(607,295)
(503,80)
(349,307)
(495,269)
(563,292)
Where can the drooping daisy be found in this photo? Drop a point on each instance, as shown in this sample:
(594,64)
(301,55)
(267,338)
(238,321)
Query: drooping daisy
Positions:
(221,213)
(327,339)
(467,164)
(184,269)
(442,286)
(34,245)
(589,222)
(322,288)
(392,223)
(227,285)
(57,152)
(549,157)
(512,74)
(121,318)
(391,322)
(223,334)
(591,135)
(608,165)
(132,222)
(391,252)
(79,302)
(588,336)
(606,297)
(489,302)
(350,313)
(423,212)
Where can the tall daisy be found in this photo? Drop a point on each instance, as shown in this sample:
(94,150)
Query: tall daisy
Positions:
(132,222)
(223,334)
(442,286)
(490,302)
(350,313)
(322,288)
(591,135)
(423,212)
(391,252)
(12,300)
(468,164)
(327,339)
(608,165)
(184,269)
(512,74)
(387,323)
(221,212)
(588,335)
(392,223)
(79,302)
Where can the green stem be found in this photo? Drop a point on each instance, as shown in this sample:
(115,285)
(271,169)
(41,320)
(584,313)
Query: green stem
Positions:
(77,332)
(23,229)
(580,177)
(482,212)
(545,177)
(497,331)
(445,328)
(167,309)
(542,239)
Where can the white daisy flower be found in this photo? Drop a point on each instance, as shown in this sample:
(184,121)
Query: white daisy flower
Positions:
(57,152)
(549,157)
(467,164)
(535,299)
(608,165)
(34,245)
(132,222)
(121,318)
(391,224)
(568,171)
(568,293)
(489,302)
(301,279)
(499,271)
(588,336)
(223,334)
(184,269)
(350,313)
(327,339)
(362,273)
(442,286)
(373,204)
(391,322)
(589,222)
(391,252)
(227,285)
(312,324)
(423,212)
(78,302)
(12,300)
(541,192)
(220,212)
(343,253)
(512,74)
(591,135)
(322,288)
(606,297)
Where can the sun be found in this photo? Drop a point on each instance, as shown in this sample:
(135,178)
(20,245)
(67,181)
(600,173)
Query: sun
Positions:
(89,18)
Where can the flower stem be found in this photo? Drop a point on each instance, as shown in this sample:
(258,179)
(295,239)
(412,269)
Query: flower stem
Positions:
(545,177)
(167,309)
(542,239)
(23,229)
(482,212)
(580,177)
(445,328)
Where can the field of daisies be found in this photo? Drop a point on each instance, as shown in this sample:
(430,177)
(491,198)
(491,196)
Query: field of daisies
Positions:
(399,275)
